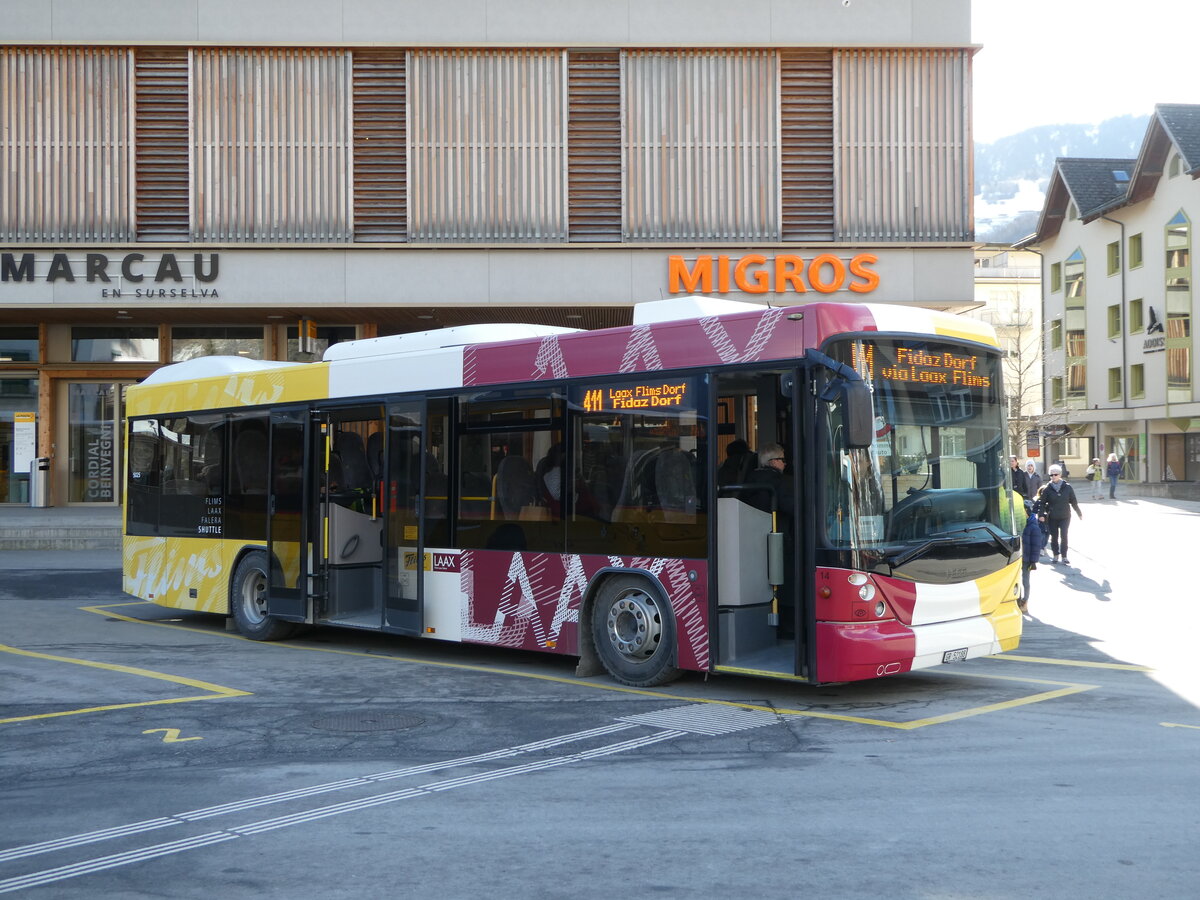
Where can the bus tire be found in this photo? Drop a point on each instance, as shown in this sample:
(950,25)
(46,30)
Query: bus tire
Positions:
(248,601)
(633,631)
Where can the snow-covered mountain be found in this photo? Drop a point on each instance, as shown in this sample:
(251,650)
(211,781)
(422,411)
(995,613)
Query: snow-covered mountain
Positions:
(1011,174)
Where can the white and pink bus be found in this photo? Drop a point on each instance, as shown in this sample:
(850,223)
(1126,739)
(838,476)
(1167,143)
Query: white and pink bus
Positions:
(814,492)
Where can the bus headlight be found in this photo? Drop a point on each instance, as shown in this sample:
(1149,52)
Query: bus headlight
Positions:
(867,592)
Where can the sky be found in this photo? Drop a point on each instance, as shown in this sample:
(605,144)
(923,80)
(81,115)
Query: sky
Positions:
(1080,61)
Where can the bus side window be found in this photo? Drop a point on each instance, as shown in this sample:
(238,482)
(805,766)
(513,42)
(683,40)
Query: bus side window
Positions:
(250,460)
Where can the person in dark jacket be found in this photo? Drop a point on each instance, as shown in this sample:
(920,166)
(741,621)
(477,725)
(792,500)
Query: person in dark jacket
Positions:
(1056,500)
(1033,482)
(1033,539)
(1113,471)
(1017,476)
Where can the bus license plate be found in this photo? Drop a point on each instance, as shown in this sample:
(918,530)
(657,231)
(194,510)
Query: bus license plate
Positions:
(954,655)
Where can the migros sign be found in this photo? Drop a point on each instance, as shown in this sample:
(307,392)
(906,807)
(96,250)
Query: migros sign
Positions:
(755,273)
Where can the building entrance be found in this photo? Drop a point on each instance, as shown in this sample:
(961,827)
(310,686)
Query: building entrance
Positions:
(95,423)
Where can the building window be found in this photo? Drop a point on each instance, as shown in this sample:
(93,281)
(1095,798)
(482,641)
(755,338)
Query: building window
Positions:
(1137,381)
(1076,349)
(1135,250)
(1056,391)
(1056,278)
(19,344)
(1114,320)
(1178,284)
(1114,257)
(327,336)
(114,345)
(1074,273)
(1114,384)
(17,439)
(1056,335)
(1137,320)
(1072,212)
(1175,167)
(190,342)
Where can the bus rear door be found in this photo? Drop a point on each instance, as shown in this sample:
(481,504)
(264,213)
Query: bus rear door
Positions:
(287,514)
(349,517)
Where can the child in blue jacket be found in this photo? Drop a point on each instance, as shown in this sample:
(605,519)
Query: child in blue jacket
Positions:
(1033,539)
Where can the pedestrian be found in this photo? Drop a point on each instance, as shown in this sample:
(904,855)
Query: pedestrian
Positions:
(1033,539)
(1095,475)
(1057,499)
(1113,471)
(1033,481)
(1017,476)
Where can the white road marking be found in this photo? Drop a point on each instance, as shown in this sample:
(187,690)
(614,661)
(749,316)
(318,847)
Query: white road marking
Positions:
(106,834)
(99,864)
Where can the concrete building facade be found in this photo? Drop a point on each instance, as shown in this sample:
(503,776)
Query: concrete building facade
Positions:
(267,178)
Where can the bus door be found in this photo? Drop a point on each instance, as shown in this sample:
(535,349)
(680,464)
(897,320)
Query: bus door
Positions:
(759,615)
(286,516)
(404,488)
(348,517)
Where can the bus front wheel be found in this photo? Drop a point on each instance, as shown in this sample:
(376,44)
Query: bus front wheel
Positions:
(248,601)
(634,632)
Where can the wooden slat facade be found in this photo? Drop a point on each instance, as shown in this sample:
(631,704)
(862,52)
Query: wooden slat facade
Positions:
(162,207)
(594,145)
(380,136)
(806,144)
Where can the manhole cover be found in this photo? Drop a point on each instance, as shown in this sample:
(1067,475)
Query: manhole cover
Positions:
(366,721)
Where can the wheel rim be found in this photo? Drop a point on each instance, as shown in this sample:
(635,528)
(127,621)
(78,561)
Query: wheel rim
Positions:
(634,626)
(254,597)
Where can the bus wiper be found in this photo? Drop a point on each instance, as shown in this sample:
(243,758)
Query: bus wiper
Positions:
(941,539)
(899,559)
(1002,545)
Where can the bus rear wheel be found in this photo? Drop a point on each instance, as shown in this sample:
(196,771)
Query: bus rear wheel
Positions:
(248,601)
(634,632)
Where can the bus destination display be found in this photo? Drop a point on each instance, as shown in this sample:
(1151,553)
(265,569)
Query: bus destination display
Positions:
(660,395)
(944,367)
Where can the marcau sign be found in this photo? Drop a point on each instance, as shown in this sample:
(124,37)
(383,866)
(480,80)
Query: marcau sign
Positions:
(135,275)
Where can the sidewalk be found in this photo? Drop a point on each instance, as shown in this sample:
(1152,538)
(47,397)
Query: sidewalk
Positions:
(60,538)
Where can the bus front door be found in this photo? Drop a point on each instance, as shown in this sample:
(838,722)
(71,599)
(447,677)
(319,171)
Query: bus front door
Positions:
(760,622)
(349,517)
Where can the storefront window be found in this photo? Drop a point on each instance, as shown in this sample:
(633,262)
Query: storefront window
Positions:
(19,344)
(92,432)
(190,342)
(326,337)
(18,436)
(114,345)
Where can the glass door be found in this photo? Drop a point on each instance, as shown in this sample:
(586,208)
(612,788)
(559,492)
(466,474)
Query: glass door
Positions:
(287,516)
(95,416)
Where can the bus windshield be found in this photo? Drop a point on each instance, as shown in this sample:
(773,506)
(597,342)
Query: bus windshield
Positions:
(933,478)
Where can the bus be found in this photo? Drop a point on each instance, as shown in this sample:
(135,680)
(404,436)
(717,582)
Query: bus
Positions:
(814,493)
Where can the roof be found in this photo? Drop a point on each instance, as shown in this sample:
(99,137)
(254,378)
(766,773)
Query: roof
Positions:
(1182,122)
(1099,186)
(1096,183)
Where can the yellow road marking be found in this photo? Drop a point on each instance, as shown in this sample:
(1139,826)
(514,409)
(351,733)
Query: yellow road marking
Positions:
(170,735)
(1060,688)
(1177,725)
(216,691)
(1079,663)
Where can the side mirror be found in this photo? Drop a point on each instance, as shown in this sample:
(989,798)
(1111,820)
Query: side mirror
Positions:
(859,414)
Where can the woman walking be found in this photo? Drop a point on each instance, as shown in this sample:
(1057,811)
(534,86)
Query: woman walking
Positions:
(1095,475)
(1113,471)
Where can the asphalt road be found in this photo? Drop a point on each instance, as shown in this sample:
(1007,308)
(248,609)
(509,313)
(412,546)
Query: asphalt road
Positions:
(147,753)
